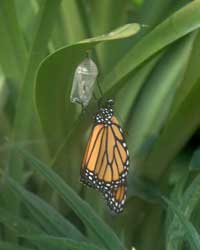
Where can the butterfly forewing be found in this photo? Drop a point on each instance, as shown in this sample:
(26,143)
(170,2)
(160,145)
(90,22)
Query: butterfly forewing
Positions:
(92,142)
(106,160)
(91,154)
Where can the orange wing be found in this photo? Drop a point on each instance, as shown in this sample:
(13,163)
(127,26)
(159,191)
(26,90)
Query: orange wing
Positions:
(106,160)
(116,198)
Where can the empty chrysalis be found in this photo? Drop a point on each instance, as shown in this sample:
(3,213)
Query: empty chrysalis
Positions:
(83,82)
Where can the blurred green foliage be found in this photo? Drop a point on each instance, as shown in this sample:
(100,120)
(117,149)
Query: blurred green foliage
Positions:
(151,68)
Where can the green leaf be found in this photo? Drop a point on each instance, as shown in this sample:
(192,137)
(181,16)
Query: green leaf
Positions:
(75,31)
(179,129)
(22,122)
(180,170)
(80,207)
(13,53)
(45,215)
(18,224)
(52,243)
(154,103)
(191,233)
(175,231)
(103,18)
(191,75)
(124,105)
(145,190)
(160,7)
(27,19)
(176,26)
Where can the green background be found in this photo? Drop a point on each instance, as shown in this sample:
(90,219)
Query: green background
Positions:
(149,64)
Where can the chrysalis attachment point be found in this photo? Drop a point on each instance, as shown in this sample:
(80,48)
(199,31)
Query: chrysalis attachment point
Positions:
(83,82)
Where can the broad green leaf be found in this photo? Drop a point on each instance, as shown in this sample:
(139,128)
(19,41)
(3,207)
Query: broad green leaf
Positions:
(45,215)
(52,243)
(176,26)
(106,236)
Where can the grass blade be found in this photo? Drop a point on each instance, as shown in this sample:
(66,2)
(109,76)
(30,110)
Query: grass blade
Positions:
(25,102)
(75,31)
(195,161)
(191,75)
(13,53)
(22,123)
(45,215)
(52,243)
(164,150)
(21,226)
(191,233)
(140,75)
(81,208)
(9,246)
(174,231)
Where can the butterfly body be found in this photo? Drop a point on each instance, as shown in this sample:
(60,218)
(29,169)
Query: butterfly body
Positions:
(106,160)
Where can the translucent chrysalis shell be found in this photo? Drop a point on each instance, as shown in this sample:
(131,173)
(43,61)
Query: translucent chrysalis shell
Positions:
(83,82)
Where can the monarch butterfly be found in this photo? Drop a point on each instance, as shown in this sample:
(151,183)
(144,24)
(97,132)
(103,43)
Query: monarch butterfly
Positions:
(106,160)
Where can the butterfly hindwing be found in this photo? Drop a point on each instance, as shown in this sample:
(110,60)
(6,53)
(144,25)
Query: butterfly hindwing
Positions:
(116,198)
